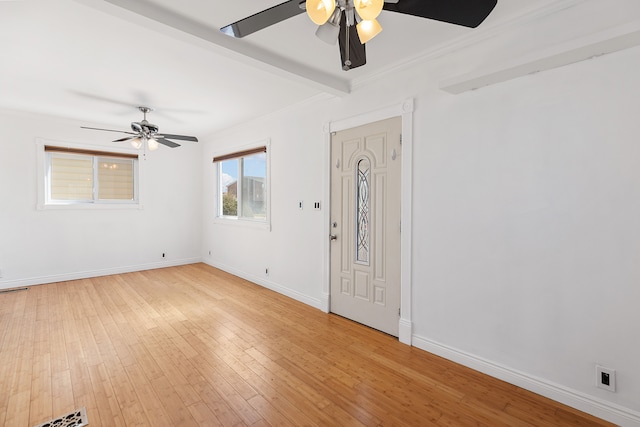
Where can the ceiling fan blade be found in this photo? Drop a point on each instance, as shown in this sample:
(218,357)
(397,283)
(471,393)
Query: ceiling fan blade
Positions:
(126,138)
(356,51)
(468,13)
(166,142)
(180,137)
(108,130)
(264,19)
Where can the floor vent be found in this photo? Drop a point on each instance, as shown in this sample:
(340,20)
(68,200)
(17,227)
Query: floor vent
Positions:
(6,291)
(77,418)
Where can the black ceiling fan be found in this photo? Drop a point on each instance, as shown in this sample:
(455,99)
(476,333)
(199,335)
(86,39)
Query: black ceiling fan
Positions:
(345,18)
(145,132)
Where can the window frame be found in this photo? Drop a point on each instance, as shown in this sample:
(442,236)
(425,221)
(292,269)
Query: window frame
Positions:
(237,153)
(72,150)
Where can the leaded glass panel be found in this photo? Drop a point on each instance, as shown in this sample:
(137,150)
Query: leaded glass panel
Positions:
(362,210)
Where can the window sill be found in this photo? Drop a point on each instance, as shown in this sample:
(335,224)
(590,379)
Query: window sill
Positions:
(244,223)
(89,206)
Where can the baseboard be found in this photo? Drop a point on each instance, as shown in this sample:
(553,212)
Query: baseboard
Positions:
(313,302)
(581,401)
(404,331)
(64,277)
(325,304)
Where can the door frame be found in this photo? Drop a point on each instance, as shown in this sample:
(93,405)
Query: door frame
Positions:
(405,111)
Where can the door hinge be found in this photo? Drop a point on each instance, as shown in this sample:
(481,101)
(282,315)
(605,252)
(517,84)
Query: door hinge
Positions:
(398,311)
(400,139)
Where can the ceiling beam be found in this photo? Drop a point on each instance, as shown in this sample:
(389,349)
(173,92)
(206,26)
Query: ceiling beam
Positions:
(588,47)
(169,23)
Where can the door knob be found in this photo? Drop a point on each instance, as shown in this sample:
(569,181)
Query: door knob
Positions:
(333,237)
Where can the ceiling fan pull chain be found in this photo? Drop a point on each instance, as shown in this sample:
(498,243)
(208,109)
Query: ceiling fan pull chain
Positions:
(347,62)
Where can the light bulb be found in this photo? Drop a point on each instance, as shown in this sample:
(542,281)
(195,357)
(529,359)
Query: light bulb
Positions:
(329,31)
(152,144)
(368,30)
(320,11)
(368,9)
(136,142)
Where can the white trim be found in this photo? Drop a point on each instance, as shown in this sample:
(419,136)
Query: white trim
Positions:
(313,302)
(404,110)
(486,31)
(64,277)
(41,166)
(576,399)
(594,45)
(89,206)
(326,191)
(243,222)
(158,18)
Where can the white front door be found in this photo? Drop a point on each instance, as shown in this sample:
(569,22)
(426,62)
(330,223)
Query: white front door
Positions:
(365,224)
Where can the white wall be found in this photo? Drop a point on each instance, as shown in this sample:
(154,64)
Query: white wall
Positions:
(296,175)
(525,200)
(527,251)
(526,219)
(39,246)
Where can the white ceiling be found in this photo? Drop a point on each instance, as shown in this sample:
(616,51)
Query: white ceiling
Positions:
(95,60)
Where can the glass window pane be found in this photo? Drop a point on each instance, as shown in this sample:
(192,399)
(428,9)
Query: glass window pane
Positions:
(243,186)
(71,178)
(229,187)
(115,179)
(254,190)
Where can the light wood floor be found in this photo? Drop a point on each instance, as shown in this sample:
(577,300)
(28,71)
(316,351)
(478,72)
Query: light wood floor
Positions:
(191,345)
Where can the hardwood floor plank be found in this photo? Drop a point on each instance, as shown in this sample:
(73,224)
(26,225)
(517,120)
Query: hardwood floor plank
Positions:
(17,413)
(226,390)
(203,415)
(151,404)
(62,393)
(175,408)
(223,412)
(195,346)
(9,346)
(41,408)
(106,402)
(269,413)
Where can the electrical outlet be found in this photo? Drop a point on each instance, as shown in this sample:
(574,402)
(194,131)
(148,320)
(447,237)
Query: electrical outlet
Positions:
(209,253)
(163,254)
(266,271)
(300,205)
(316,206)
(606,378)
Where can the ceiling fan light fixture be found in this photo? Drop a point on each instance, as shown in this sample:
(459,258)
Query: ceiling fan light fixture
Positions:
(329,31)
(152,143)
(136,143)
(368,9)
(368,29)
(320,11)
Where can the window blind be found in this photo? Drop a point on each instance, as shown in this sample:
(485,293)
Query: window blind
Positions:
(239,154)
(115,179)
(53,148)
(80,175)
(71,178)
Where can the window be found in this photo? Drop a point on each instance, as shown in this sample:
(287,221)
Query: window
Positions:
(243,185)
(78,176)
